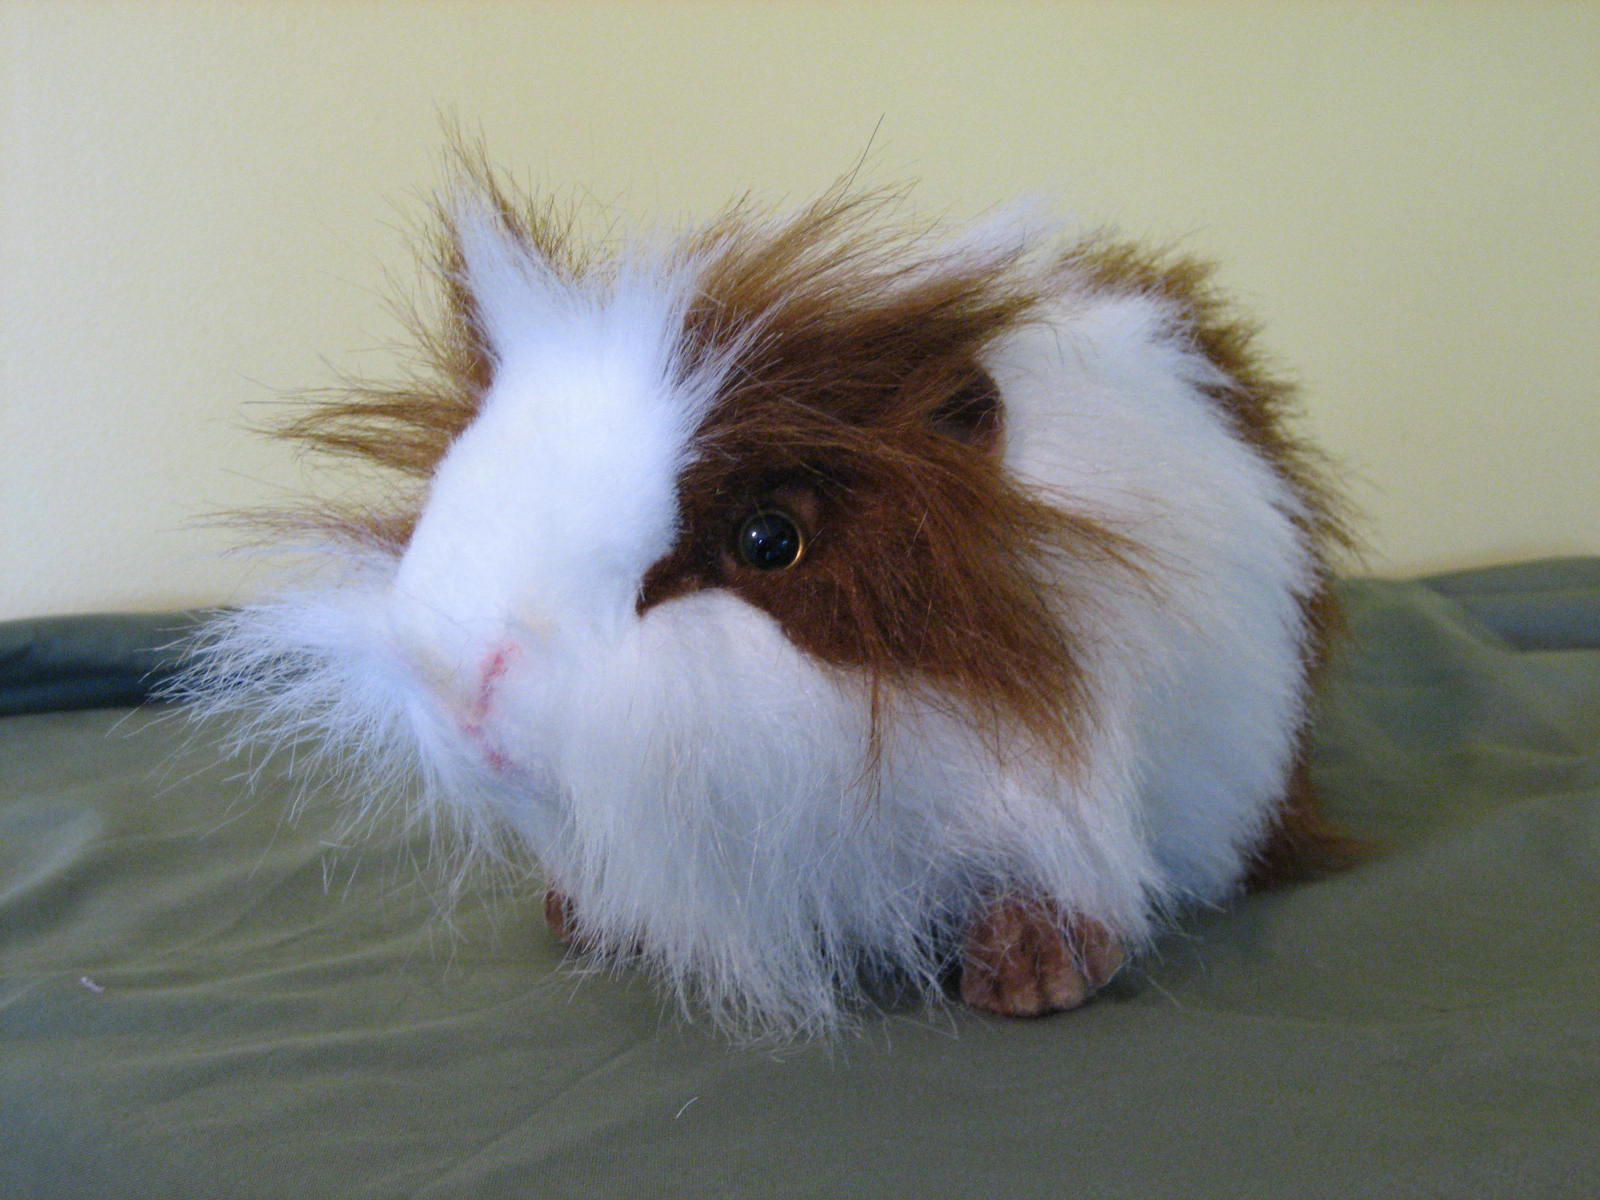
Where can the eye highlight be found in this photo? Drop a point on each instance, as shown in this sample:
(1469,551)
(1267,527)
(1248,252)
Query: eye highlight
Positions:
(770,540)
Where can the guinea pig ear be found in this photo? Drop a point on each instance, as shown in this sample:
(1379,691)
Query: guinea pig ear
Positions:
(973,414)
(510,290)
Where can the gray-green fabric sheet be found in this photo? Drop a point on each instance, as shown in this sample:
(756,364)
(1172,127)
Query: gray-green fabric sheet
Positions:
(203,998)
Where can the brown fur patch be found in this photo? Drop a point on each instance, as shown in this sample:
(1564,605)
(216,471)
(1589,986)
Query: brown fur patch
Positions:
(857,386)
(1302,843)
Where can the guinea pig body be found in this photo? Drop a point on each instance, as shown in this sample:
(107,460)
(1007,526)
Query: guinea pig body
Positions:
(820,606)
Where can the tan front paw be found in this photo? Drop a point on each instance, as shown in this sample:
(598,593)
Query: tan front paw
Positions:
(1024,959)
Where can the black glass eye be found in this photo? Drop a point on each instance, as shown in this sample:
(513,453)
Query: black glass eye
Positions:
(770,541)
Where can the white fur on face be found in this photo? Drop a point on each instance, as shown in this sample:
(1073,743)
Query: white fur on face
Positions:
(548,509)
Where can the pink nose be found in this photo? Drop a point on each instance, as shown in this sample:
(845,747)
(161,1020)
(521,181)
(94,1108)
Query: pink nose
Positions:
(491,670)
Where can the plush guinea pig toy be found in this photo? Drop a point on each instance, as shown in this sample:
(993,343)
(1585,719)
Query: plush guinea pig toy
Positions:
(822,602)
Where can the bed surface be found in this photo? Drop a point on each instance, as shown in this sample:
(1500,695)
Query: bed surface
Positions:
(201,998)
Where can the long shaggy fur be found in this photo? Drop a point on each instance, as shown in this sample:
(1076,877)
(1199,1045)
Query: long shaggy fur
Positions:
(1063,594)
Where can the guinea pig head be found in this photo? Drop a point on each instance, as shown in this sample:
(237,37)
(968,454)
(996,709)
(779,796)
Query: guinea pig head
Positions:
(782,425)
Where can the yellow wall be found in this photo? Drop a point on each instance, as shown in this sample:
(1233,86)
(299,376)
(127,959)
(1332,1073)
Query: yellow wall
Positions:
(203,204)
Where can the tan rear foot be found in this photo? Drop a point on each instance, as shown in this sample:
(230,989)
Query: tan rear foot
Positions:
(1023,959)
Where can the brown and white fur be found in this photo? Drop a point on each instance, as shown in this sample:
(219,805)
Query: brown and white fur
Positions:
(1039,677)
